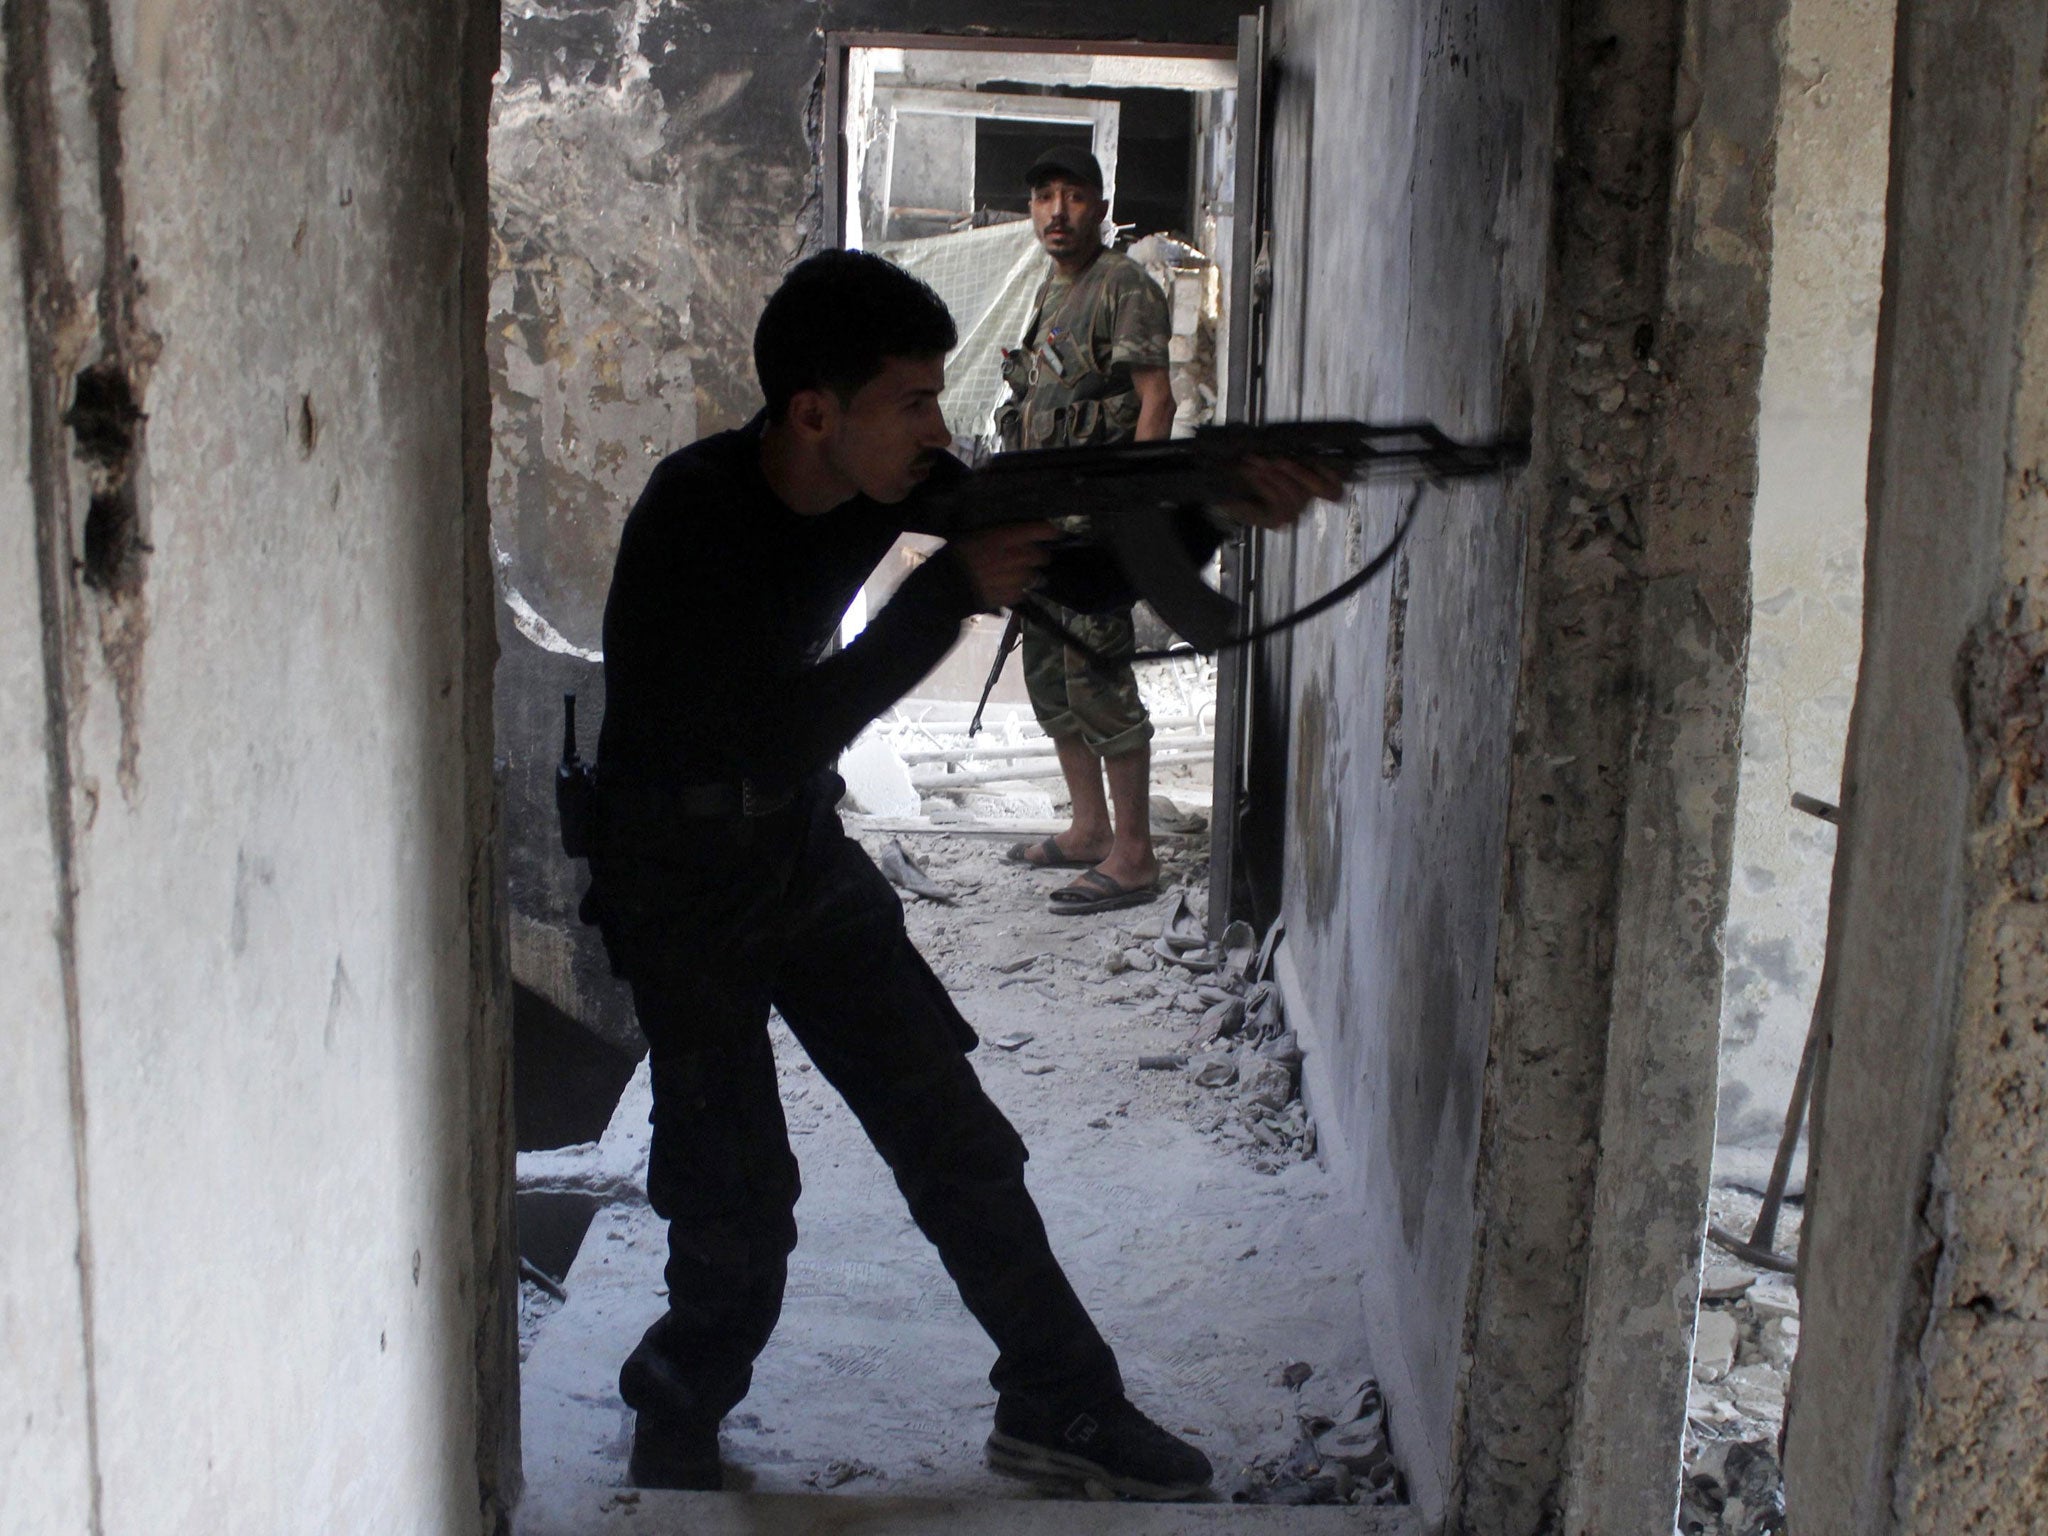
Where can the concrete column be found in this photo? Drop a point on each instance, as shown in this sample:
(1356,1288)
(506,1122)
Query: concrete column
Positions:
(1594,1164)
(1920,1397)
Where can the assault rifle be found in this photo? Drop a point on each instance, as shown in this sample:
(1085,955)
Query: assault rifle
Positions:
(1132,494)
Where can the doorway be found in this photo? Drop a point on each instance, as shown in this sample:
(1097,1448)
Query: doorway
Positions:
(1174,1162)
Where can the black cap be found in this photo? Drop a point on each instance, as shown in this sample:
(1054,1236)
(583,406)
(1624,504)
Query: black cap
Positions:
(1068,160)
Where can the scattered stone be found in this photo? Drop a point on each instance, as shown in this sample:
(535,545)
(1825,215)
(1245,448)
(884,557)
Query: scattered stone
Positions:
(1169,817)
(1778,1340)
(1014,1041)
(1140,960)
(1713,1348)
(1038,1068)
(1012,967)
(1214,1069)
(904,872)
(1294,1376)
(1725,1282)
(877,781)
(1008,800)
(1285,1049)
(1758,1391)
(838,1472)
(1267,1084)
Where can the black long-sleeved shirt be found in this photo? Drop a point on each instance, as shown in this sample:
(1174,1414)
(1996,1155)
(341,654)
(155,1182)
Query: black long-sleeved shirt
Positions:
(723,600)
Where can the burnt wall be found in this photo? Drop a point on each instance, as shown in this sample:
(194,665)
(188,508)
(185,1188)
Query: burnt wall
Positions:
(1411,152)
(1512,767)
(253,1075)
(655,168)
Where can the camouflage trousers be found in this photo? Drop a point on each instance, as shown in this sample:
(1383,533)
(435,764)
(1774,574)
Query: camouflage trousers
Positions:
(1073,696)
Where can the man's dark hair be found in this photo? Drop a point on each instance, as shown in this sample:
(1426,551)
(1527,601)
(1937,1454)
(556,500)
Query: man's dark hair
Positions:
(837,318)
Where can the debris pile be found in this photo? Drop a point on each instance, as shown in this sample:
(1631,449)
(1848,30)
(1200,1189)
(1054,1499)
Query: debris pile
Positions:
(1733,1488)
(537,1303)
(1747,1335)
(1345,1458)
(1242,1050)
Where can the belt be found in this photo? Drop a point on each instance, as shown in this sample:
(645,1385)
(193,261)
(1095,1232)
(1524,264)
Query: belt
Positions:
(745,798)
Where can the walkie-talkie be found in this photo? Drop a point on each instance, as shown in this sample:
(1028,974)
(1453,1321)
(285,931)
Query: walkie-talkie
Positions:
(574,788)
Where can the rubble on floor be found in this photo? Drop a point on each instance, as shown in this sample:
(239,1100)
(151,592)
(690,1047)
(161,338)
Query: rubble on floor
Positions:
(1747,1335)
(1210,1276)
(536,1306)
(1345,1458)
(1241,1049)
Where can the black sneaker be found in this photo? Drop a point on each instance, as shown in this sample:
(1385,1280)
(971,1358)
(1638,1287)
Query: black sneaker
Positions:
(669,1453)
(1112,1444)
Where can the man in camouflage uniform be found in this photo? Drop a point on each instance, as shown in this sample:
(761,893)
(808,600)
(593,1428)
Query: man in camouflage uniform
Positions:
(1092,369)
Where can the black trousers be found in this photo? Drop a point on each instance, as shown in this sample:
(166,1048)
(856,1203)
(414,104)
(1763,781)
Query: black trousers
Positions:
(712,921)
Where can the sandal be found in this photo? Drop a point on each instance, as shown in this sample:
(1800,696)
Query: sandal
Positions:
(1097,892)
(1050,856)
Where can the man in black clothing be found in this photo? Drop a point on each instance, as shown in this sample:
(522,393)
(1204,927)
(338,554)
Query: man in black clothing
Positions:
(724,885)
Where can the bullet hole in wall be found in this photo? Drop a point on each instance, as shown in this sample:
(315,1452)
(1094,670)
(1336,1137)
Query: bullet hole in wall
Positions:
(103,416)
(113,544)
(105,422)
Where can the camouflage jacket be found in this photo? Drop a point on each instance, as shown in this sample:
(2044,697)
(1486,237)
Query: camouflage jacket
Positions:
(1070,381)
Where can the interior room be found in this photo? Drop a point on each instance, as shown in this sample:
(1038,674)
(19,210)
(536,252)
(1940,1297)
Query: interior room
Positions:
(1414,1143)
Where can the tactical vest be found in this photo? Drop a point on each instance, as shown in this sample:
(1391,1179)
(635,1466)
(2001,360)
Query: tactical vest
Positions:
(1062,394)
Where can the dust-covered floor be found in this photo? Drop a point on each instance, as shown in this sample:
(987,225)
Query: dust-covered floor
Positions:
(1212,1261)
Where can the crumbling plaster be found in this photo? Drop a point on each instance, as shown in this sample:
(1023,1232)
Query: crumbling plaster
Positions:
(250,824)
(1532,1153)
(1411,188)
(1827,240)
(1920,1394)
